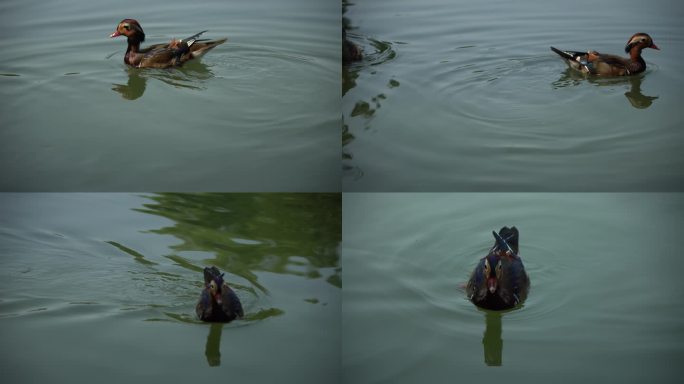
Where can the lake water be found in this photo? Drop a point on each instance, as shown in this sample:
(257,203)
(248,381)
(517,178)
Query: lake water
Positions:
(606,301)
(258,113)
(102,287)
(467,96)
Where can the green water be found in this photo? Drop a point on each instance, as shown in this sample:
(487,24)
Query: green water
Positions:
(92,283)
(73,117)
(605,304)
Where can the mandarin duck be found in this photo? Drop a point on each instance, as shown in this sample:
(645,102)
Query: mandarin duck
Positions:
(350,52)
(499,281)
(167,55)
(218,302)
(595,63)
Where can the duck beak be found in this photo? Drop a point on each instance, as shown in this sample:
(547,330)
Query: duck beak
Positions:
(654,47)
(217,297)
(491,284)
(115,34)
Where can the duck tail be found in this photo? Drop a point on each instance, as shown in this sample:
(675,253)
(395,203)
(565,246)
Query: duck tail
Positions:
(191,40)
(204,46)
(564,54)
(507,238)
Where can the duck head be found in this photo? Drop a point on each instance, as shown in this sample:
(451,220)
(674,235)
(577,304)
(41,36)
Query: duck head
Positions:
(131,29)
(640,40)
(215,289)
(213,279)
(492,272)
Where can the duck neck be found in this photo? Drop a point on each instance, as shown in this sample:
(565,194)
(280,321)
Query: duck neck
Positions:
(635,54)
(133,44)
(133,48)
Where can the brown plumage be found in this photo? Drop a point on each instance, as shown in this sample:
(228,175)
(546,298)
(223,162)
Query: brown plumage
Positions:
(167,55)
(601,64)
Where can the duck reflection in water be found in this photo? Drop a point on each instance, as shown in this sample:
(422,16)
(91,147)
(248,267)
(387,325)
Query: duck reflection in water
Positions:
(635,97)
(634,94)
(212,350)
(191,76)
(492,341)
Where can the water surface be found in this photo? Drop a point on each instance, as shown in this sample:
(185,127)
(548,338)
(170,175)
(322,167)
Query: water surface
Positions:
(467,96)
(258,113)
(103,287)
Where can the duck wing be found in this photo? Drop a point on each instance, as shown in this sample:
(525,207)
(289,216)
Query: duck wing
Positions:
(230,303)
(612,65)
(204,306)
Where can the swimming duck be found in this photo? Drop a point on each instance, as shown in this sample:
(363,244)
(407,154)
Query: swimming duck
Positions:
(350,51)
(218,302)
(601,64)
(167,55)
(499,281)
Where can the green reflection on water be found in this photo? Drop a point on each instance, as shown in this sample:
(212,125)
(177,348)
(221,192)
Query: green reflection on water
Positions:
(288,233)
(137,256)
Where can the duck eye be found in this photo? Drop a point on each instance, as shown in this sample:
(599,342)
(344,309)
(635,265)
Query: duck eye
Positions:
(126,27)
